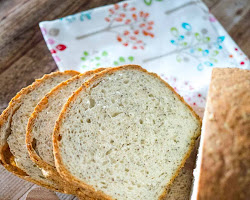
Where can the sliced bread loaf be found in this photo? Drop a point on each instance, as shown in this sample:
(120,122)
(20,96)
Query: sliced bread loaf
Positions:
(223,166)
(124,134)
(42,121)
(13,123)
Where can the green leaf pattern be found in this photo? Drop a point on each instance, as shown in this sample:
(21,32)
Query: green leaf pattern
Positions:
(195,45)
(100,59)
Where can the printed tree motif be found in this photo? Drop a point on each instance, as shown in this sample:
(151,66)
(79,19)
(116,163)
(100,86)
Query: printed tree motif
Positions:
(53,45)
(209,17)
(133,26)
(93,59)
(85,15)
(244,61)
(122,60)
(193,45)
(58,47)
(97,59)
(168,12)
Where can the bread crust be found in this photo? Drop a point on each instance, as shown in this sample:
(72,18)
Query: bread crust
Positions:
(52,173)
(225,161)
(6,158)
(61,168)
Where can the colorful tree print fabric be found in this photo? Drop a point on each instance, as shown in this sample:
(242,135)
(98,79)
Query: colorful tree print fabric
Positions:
(179,40)
(128,24)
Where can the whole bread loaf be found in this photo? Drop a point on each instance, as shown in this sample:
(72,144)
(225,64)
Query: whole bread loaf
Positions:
(223,167)
(13,123)
(124,134)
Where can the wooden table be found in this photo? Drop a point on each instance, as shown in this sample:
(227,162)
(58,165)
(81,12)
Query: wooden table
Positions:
(24,55)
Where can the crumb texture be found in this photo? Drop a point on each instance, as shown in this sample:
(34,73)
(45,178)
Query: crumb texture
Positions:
(16,139)
(126,135)
(44,123)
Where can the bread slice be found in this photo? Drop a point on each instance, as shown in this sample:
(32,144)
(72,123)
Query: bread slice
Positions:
(223,164)
(124,134)
(13,122)
(42,121)
(181,187)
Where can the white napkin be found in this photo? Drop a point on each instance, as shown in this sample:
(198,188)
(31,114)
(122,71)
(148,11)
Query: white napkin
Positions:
(179,40)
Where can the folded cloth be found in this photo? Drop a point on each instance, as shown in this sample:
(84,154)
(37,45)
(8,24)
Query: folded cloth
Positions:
(179,40)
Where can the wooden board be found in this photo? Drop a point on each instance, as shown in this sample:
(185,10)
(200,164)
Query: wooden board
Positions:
(24,55)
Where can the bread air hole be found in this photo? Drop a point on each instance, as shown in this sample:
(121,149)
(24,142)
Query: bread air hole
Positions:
(103,91)
(141,121)
(105,162)
(108,152)
(115,114)
(113,160)
(88,120)
(91,103)
(125,81)
(108,171)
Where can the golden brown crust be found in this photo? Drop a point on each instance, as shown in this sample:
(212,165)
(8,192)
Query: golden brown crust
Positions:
(6,158)
(225,161)
(52,173)
(92,82)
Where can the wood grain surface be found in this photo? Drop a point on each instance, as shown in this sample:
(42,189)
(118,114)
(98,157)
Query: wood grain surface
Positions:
(24,55)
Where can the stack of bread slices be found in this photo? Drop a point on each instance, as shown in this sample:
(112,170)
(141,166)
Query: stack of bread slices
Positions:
(115,133)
